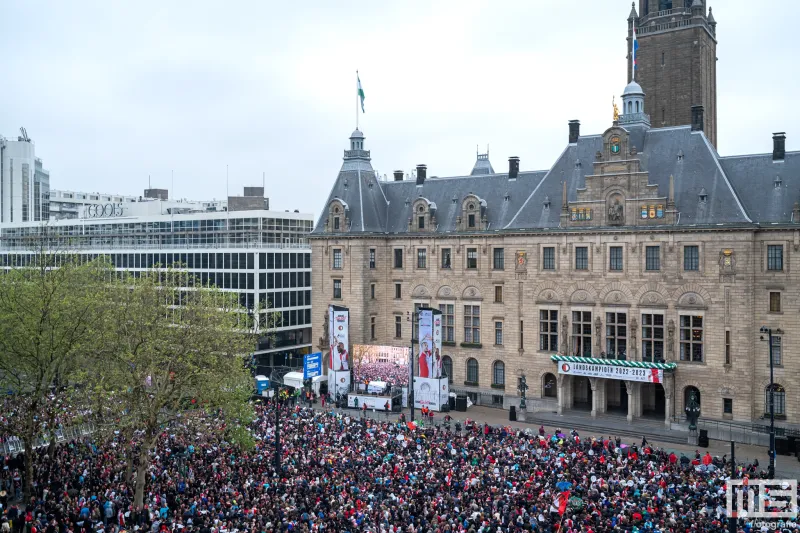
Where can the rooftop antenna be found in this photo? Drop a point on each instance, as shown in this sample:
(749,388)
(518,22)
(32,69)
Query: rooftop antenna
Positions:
(172,185)
(263,180)
(148,182)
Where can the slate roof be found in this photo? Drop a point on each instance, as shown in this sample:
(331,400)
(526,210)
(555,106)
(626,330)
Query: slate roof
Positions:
(738,190)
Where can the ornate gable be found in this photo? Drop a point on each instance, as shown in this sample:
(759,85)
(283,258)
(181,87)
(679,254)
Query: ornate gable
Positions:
(473,214)
(423,216)
(618,193)
(338,217)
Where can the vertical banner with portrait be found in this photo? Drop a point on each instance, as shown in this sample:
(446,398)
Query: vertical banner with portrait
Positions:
(339,355)
(430,390)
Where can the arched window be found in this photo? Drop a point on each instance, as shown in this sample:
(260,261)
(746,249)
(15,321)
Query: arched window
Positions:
(549,386)
(472,371)
(447,366)
(637,106)
(499,373)
(630,107)
(779,397)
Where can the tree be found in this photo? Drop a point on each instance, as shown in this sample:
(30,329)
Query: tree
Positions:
(52,314)
(179,348)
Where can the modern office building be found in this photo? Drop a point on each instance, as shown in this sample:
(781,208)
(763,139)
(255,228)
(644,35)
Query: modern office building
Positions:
(24,183)
(264,256)
(73,204)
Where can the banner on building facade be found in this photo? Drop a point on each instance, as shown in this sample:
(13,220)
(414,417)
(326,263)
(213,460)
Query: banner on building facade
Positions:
(339,338)
(429,361)
(647,375)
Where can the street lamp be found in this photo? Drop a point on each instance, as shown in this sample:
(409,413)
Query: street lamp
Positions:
(768,331)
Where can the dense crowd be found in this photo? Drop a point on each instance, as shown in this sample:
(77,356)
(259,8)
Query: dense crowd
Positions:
(343,474)
(393,373)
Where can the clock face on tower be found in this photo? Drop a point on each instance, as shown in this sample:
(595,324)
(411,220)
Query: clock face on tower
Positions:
(615,145)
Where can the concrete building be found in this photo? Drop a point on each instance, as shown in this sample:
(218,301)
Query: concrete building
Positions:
(72,204)
(264,256)
(24,183)
(640,257)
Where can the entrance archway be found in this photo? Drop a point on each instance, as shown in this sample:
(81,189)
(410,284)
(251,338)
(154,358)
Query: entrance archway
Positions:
(654,403)
(581,393)
(616,396)
(549,386)
(687,393)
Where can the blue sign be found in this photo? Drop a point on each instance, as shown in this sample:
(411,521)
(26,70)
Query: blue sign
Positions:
(312,365)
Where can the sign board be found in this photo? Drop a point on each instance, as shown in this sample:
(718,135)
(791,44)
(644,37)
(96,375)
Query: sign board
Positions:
(339,336)
(432,393)
(647,375)
(339,382)
(377,403)
(429,361)
(312,365)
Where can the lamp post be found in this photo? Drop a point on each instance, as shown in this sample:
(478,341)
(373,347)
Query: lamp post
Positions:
(768,331)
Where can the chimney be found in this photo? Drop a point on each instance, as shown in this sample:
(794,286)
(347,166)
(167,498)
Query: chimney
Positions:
(697,118)
(513,167)
(398,175)
(778,146)
(422,172)
(574,131)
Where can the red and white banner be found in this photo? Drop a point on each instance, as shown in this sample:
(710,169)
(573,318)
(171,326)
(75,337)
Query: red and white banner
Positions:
(647,375)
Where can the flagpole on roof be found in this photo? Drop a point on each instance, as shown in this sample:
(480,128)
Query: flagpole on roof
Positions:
(357,96)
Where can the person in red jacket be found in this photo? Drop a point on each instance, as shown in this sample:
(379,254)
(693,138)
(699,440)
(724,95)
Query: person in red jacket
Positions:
(707,459)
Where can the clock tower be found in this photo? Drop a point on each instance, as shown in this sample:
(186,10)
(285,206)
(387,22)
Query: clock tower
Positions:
(676,61)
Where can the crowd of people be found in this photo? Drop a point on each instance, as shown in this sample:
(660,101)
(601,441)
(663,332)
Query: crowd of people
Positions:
(342,474)
(393,373)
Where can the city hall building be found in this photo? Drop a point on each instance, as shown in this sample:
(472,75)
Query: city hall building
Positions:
(638,269)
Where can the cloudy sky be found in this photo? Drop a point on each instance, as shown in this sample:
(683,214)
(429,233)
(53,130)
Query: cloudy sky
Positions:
(114,92)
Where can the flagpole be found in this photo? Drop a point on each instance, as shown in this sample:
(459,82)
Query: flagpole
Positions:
(633,51)
(356,99)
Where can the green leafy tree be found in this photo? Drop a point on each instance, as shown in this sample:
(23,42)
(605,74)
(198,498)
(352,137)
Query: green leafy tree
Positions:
(179,348)
(53,312)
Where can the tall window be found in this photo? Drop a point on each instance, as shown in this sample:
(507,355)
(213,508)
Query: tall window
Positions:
(652,337)
(498,262)
(691,258)
(774,302)
(398,258)
(372,327)
(371,291)
(778,397)
(498,333)
(471,221)
(498,294)
(548,330)
(615,258)
(582,333)
(448,322)
(549,258)
(727,346)
(777,355)
(445,257)
(398,291)
(335,222)
(616,335)
(775,257)
(398,326)
(337,289)
(691,338)
(652,259)
(422,258)
(372,258)
(472,258)
(499,374)
(337,259)
(472,324)
(421,222)
(447,367)
(582,258)
(472,371)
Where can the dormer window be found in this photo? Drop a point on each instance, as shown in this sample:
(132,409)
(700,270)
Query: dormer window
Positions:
(471,220)
(337,216)
(778,182)
(703,196)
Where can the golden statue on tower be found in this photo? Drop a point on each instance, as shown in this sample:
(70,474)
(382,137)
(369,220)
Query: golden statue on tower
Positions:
(616,109)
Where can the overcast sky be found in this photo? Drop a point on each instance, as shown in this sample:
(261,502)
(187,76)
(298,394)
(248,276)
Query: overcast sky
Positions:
(112,92)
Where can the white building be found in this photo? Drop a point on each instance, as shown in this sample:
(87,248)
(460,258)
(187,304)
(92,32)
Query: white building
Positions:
(264,256)
(76,204)
(24,183)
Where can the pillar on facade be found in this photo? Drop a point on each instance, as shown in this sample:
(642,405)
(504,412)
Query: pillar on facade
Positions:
(634,400)
(593,384)
(561,381)
(668,400)
(602,396)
